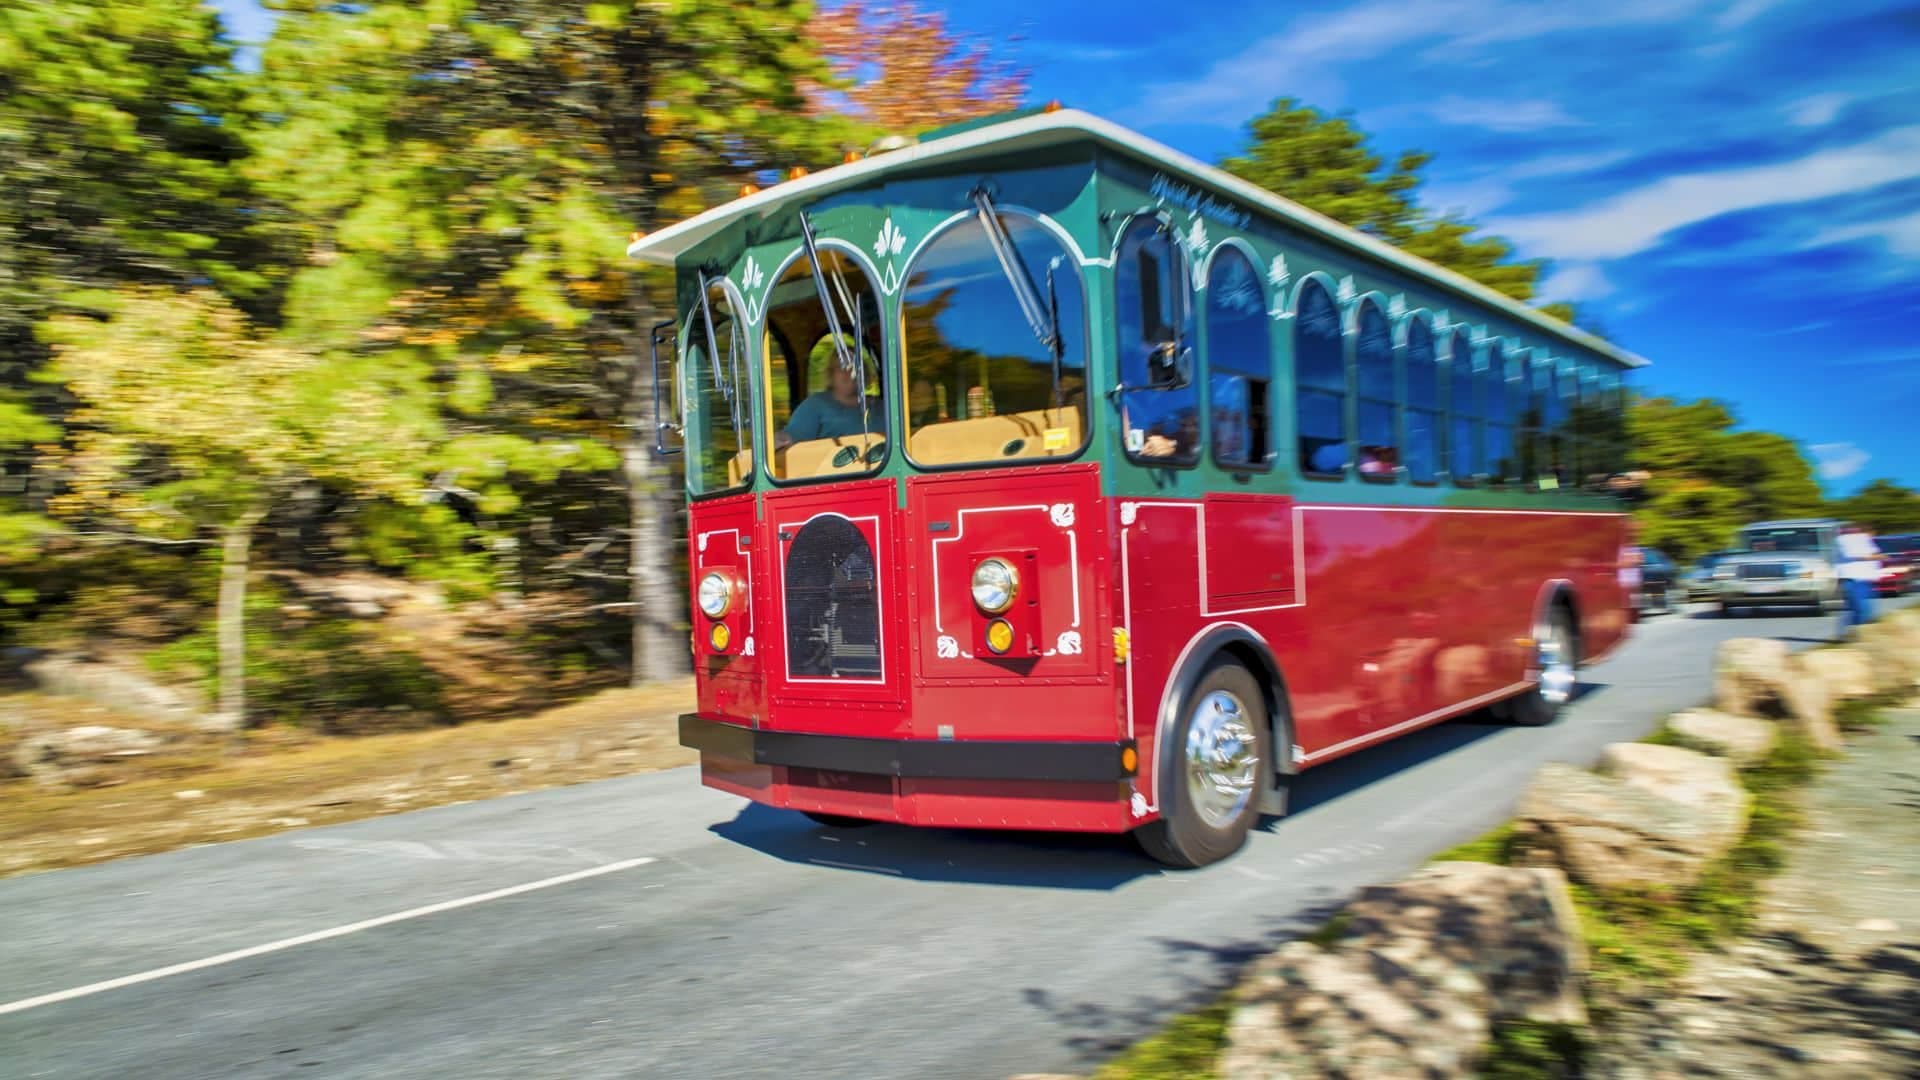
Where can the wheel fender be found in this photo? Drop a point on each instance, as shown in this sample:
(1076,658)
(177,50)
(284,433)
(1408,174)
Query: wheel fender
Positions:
(1248,647)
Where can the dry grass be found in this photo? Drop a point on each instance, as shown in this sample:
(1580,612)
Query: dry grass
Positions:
(200,789)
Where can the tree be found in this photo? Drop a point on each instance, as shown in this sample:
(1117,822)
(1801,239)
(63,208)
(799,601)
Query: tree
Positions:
(900,70)
(190,428)
(120,123)
(1324,163)
(1707,480)
(1883,507)
(463,175)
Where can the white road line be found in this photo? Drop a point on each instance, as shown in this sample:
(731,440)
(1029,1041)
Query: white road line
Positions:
(319,935)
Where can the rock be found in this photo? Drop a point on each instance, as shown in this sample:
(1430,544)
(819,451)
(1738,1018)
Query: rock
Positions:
(1760,677)
(1305,1012)
(52,757)
(1743,739)
(1610,832)
(115,687)
(1685,776)
(1413,986)
(1892,648)
(1847,672)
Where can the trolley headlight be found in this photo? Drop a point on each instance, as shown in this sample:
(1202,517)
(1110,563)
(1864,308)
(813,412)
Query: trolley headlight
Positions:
(995,585)
(715,594)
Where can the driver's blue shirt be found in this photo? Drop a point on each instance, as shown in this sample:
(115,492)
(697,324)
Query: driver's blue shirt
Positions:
(820,415)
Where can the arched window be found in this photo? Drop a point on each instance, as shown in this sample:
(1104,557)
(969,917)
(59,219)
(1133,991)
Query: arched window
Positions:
(718,425)
(1239,361)
(1505,404)
(827,418)
(1426,382)
(1320,382)
(1463,444)
(1154,329)
(981,386)
(1373,357)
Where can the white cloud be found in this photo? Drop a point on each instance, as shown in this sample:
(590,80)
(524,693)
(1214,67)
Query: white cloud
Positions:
(1742,12)
(1636,220)
(1565,164)
(1303,59)
(1901,235)
(1816,111)
(1496,114)
(1839,460)
(1575,281)
(1470,199)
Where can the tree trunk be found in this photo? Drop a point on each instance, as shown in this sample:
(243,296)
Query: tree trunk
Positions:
(659,651)
(236,541)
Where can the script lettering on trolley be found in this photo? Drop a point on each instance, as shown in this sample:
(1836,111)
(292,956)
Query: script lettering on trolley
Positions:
(1193,199)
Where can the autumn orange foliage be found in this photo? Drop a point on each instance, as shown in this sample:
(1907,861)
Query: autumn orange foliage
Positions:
(905,72)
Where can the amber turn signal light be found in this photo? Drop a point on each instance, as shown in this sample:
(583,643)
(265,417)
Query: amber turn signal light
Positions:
(1129,759)
(999,635)
(719,637)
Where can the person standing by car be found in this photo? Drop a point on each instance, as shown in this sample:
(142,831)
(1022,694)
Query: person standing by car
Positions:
(1859,569)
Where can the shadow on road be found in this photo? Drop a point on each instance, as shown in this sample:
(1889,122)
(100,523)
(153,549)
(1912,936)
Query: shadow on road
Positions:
(1065,860)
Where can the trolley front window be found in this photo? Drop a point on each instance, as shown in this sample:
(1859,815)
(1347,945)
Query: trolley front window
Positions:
(982,386)
(716,396)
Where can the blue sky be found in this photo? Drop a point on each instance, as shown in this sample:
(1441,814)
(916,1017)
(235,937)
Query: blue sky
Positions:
(1729,188)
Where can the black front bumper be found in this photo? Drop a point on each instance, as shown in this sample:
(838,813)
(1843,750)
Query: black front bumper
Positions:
(912,758)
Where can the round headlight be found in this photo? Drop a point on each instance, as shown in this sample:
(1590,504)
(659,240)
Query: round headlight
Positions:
(715,594)
(995,585)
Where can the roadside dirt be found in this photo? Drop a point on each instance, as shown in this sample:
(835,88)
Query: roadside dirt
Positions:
(199,789)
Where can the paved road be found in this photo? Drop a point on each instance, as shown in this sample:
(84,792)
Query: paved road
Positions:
(691,935)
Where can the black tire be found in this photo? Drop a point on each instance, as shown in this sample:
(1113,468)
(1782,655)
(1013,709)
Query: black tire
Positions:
(837,821)
(1539,707)
(1188,835)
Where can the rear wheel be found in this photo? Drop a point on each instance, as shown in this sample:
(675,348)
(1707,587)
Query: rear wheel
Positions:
(837,821)
(1557,661)
(1217,760)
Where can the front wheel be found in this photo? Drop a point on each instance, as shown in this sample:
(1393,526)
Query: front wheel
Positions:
(1218,757)
(1557,660)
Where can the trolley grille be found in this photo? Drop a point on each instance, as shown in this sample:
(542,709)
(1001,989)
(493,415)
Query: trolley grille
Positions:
(832,602)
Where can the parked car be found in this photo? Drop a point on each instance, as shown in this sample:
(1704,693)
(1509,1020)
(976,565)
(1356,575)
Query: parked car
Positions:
(1655,593)
(1901,568)
(1697,582)
(1781,564)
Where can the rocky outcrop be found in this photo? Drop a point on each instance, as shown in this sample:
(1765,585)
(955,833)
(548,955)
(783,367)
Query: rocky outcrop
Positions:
(1412,987)
(1741,739)
(70,755)
(111,685)
(1892,648)
(1848,672)
(1628,831)
(1688,777)
(1760,677)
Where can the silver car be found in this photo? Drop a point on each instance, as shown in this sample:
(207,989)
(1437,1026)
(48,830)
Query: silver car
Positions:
(1780,564)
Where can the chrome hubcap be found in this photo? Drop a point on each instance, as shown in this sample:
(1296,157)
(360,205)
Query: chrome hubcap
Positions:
(1556,666)
(1222,758)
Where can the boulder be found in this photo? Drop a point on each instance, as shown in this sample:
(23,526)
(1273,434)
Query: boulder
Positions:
(1688,777)
(1412,987)
(1847,672)
(113,686)
(1892,648)
(54,757)
(1615,833)
(1742,739)
(1760,677)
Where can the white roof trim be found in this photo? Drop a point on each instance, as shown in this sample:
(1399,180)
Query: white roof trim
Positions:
(1066,125)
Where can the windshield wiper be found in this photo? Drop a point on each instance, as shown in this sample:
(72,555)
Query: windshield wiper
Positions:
(728,387)
(1043,317)
(847,356)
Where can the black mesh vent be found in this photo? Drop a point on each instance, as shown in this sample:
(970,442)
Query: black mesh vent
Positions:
(833,608)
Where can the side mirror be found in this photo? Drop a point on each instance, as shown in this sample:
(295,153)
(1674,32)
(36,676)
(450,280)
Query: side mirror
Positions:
(1167,366)
(663,332)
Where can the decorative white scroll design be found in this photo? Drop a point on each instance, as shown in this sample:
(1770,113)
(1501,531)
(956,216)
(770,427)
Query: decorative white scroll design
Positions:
(1068,644)
(946,648)
(1347,293)
(887,246)
(1139,805)
(1129,511)
(751,278)
(1062,514)
(1278,275)
(1397,307)
(747,649)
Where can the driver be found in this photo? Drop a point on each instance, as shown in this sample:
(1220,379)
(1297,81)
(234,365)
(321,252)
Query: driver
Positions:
(830,415)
